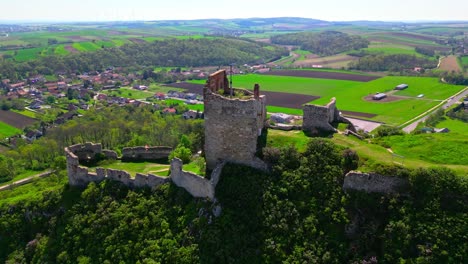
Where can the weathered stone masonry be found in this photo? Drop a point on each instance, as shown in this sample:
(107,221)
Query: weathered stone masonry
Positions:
(80,176)
(319,118)
(232,125)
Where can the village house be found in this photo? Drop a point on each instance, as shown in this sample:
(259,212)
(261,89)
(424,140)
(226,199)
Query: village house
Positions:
(169,110)
(191,114)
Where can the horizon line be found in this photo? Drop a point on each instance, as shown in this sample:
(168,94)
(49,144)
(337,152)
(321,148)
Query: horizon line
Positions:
(27,21)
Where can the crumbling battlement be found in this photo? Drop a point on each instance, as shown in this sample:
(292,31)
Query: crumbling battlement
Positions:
(145,153)
(232,125)
(196,185)
(371,182)
(80,176)
(319,118)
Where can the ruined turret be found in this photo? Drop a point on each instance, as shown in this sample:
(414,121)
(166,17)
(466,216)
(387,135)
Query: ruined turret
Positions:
(234,120)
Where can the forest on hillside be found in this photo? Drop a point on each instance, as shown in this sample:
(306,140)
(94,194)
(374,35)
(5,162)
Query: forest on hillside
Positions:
(168,52)
(113,126)
(298,213)
(392,62)
(324,43)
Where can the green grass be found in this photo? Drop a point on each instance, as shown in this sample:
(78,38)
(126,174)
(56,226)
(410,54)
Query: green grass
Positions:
(129,93)
(278,139)
(289,111)
(370,154)
(25,112)
(350,95)
(60,50)
(390,48)
(7,130)
(464,61)
(432,88)
(456,126)
(86,46)
(443,148)
(138,167)
(21,176)
(28,54)
(33,191)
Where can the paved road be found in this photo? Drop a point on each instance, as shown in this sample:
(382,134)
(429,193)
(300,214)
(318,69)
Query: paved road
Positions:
(449,102)
(25,180)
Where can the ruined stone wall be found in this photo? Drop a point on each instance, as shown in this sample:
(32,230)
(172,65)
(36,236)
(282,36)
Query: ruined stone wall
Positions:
(196,185)
(145,153)
(232,127)
(86,151)
(371,182)
(80,176)
(319,118)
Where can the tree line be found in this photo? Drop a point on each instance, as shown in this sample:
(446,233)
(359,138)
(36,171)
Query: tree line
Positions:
(324,43)
(392,62)
(165,53)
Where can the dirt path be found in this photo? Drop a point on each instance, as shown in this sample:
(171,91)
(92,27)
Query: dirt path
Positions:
(25,180)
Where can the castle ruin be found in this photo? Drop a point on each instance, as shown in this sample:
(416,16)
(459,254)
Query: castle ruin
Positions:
(319,118)
(234,120)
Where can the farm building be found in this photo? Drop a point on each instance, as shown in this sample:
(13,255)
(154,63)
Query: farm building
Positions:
(401,86)
(379,96)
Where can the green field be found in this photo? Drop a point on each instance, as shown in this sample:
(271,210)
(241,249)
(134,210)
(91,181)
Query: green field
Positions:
(129,93)
(464,61)
(7,130)
(390,48)
(25,112)
(432,88)
(350,95)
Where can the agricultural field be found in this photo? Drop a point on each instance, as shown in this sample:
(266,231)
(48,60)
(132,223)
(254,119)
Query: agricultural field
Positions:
(351,94)
(407,39)
(450,64)
(7,131)
(16,120)
(391,48)
(464,62)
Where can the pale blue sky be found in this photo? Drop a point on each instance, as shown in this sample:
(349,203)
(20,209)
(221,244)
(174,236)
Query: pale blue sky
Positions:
(331,10)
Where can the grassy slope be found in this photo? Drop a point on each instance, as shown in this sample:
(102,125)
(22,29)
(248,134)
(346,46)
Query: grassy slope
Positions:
(371,153)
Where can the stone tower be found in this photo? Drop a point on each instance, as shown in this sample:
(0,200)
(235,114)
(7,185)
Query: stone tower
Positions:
(233,122)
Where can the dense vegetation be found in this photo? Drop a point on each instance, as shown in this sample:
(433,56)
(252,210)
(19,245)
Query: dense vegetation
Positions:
(394,62)
(297,213)
(324,43)
(169,52)
(115,127)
